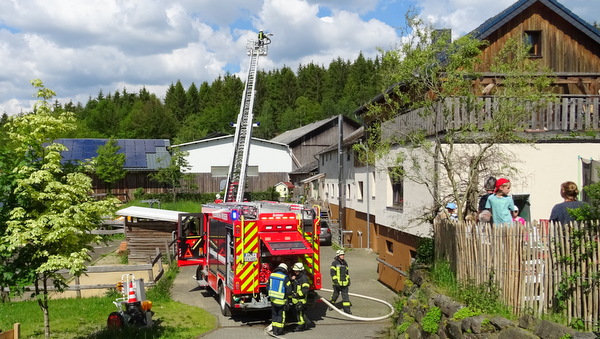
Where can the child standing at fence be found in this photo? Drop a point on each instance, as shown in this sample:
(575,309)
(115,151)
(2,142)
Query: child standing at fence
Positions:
(516,217)
(501,203)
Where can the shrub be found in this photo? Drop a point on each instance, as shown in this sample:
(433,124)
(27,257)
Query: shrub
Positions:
(431,321)
(465,312)
(425,251)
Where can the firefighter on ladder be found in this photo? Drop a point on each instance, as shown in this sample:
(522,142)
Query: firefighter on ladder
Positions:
(300,287)
(279,289)
(340,277)
(263,38)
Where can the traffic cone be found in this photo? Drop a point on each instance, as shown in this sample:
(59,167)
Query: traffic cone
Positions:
(132,298)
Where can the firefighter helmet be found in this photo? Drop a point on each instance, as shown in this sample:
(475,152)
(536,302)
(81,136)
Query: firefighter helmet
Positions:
(340,252)
(298,267)
(284,266)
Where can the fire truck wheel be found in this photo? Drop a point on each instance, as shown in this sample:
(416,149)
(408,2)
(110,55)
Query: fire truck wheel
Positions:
(223,302)
(115,321)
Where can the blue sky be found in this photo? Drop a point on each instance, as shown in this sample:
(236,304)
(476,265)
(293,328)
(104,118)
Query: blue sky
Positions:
(79,47)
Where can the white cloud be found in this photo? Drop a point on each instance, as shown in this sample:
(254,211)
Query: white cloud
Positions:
(80,47)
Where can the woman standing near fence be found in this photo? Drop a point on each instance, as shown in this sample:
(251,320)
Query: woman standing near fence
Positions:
(560,212)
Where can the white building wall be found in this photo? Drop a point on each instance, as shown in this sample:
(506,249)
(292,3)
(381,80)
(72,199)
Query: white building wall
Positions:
(269,157)
(544,167)
(541,170)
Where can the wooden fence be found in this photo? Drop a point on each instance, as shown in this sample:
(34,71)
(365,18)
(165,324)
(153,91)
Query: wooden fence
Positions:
(76,285)
(539,268)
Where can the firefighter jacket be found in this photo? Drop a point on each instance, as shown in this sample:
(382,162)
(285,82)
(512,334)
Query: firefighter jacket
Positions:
(279,287)
(340,274)
(300,287)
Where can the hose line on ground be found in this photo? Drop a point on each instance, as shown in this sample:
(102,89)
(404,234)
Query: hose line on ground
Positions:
(360,296)
(269,328)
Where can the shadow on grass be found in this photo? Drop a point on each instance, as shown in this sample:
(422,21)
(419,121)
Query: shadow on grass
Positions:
(156,331)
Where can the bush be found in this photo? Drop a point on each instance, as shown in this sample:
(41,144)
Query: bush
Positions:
(465,312)
(425,251)
(431,321)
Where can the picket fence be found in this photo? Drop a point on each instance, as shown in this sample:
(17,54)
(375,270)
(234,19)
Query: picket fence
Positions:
(539,267)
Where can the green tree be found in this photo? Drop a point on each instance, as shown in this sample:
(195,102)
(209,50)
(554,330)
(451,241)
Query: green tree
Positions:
(48,227)
(434,77)
(108,165)
(175,101)
(172,173)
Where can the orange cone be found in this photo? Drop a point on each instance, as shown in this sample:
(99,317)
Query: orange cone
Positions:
(132,298)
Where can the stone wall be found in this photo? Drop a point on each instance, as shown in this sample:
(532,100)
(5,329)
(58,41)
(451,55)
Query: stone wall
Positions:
(428,314)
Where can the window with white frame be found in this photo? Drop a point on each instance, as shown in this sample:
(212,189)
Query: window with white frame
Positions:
(359,191)
(397,186)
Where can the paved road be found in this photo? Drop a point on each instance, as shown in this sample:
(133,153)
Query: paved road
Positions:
(363,271)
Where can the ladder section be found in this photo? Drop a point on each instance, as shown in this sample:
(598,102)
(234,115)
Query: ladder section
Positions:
(236,179)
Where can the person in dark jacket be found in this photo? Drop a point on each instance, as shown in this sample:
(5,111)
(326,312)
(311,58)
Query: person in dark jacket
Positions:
(560,212)
(300,288)
(279,291)
(489,186)
(340,277)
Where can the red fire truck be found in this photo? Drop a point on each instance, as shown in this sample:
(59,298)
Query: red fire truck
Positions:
(237,245)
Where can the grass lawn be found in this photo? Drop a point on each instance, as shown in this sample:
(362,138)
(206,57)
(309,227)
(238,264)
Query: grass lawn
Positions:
(86,318)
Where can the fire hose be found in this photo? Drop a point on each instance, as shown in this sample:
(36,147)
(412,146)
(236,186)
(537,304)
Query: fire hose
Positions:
(351,316)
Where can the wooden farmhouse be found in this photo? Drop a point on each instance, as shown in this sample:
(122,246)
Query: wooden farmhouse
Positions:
(382,211)
(307,141)
(142,157)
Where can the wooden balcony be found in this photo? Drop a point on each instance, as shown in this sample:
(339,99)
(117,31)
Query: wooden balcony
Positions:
(570,113)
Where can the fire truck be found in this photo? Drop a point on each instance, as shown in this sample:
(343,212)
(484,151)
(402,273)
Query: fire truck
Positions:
(237,245)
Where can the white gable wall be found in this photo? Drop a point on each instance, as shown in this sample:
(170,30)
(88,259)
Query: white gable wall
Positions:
(269,157)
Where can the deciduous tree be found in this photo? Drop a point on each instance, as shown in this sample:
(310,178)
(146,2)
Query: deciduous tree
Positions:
(433,77)
(108,165)
(50,210)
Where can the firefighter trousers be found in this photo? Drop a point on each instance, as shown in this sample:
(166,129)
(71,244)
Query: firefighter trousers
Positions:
(343,290)
(277,318)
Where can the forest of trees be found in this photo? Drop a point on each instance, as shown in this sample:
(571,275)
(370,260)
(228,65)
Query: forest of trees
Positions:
(284,100)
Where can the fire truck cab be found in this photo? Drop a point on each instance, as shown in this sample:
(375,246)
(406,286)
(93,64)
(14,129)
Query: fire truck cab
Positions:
(236,246)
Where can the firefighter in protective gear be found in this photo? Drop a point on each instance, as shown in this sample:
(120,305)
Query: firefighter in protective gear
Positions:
(300,287)
(279,290)
(340,277)
(263,38)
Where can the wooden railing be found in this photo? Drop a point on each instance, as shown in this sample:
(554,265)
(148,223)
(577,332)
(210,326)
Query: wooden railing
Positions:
(539,268)
(98,269)
(569,113)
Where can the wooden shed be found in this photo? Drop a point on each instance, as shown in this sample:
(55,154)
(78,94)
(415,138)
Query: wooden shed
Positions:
(146,229)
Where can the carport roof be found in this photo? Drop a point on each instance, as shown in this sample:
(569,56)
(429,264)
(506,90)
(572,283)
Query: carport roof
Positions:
(150,213)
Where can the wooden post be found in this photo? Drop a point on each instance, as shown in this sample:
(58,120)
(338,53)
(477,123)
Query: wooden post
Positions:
(168,252)
(150,270)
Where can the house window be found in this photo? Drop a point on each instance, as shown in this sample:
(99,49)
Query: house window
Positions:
(348,151)
(396,181)
(534,40)
(389,247)
(372,184)
(359,192)
(219,171)
(348,196)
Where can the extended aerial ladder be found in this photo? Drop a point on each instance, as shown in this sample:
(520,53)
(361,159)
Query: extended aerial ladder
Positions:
(236,179)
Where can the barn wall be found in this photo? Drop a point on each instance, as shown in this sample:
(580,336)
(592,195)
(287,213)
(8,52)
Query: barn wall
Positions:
(564,49)
(143,237)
